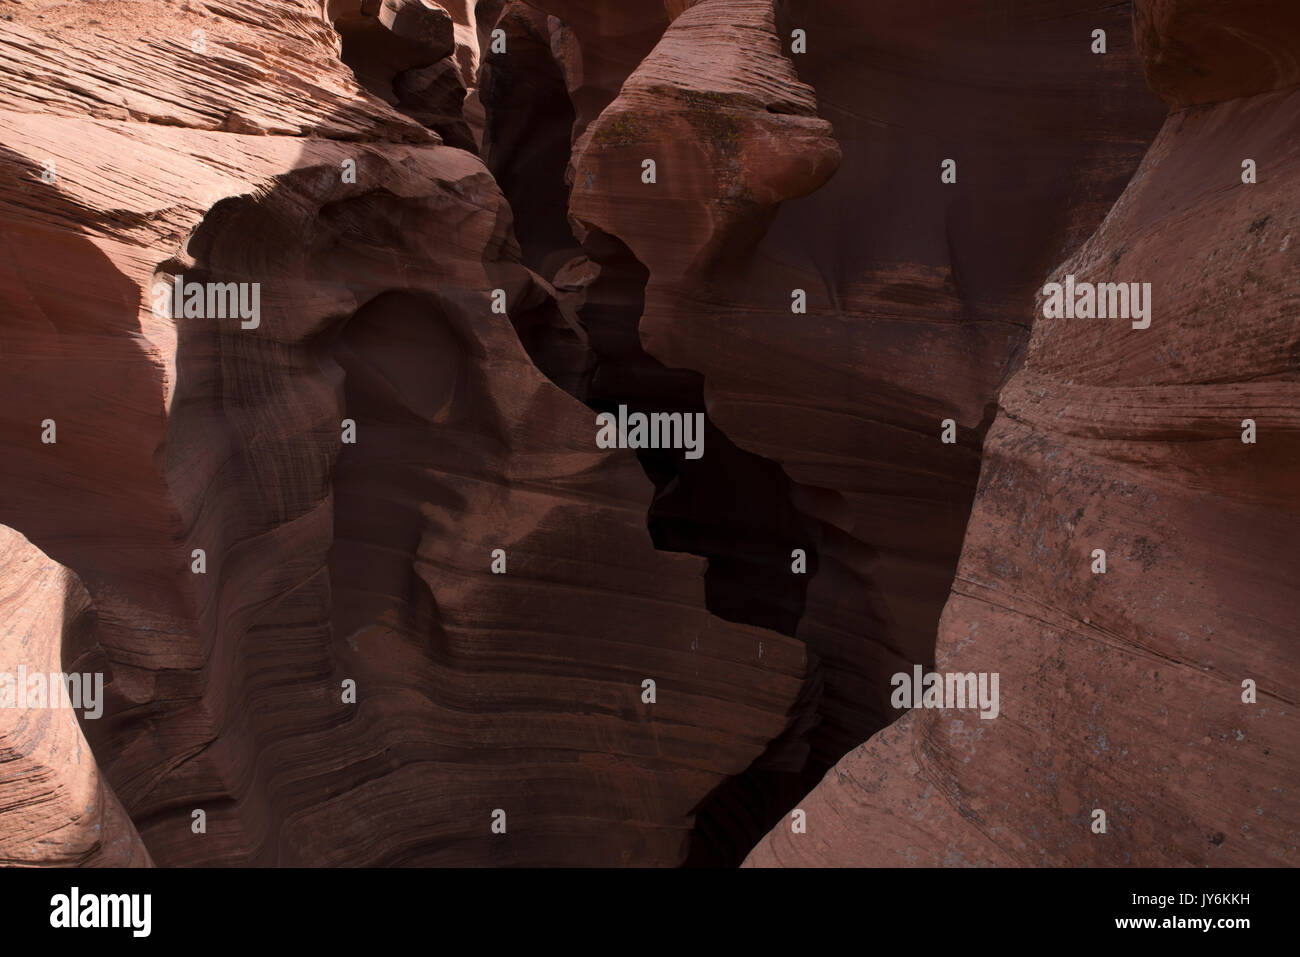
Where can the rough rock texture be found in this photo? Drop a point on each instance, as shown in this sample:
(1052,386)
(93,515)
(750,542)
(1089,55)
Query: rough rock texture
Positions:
(324,561)
(402,52)
(56,808)
(1123,691)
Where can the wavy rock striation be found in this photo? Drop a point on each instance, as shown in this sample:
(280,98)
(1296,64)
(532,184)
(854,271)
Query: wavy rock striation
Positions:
(1127,692)
(376,251)
(56,807)
(911,284)
(362,586)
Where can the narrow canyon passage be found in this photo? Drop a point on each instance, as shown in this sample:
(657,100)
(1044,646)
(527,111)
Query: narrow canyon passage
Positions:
(366,587)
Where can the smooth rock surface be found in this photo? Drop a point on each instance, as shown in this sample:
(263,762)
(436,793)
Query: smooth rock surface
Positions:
(328,562)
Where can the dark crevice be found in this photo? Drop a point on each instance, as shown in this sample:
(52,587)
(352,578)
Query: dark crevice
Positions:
(420,78)
(731,507)
(526,141)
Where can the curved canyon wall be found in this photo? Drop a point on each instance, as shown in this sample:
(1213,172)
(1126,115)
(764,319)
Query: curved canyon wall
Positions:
(362,586)
(1161,692)
(327,561)
(910,284)
(58,809)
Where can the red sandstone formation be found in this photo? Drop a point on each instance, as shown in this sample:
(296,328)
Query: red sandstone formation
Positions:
(1123,692)
(599,43)
(325,562)
(1212,50)
(57,808)
(913,286)
(381,169)
(402,52)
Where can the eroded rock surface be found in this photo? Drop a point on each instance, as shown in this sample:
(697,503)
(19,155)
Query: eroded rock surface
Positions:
(325,562)
(1124,692)
(913,287)
(56,807)
(1206,51)
(733,208)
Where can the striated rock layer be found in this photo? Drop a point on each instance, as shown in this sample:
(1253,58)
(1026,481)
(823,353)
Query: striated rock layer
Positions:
(912,285)
(56,807)
(324,562)
(363,588)
(1128,692)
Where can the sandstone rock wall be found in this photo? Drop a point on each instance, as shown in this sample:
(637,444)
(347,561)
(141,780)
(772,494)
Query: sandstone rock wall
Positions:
(324,562)
(473,227)
(1124,692)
